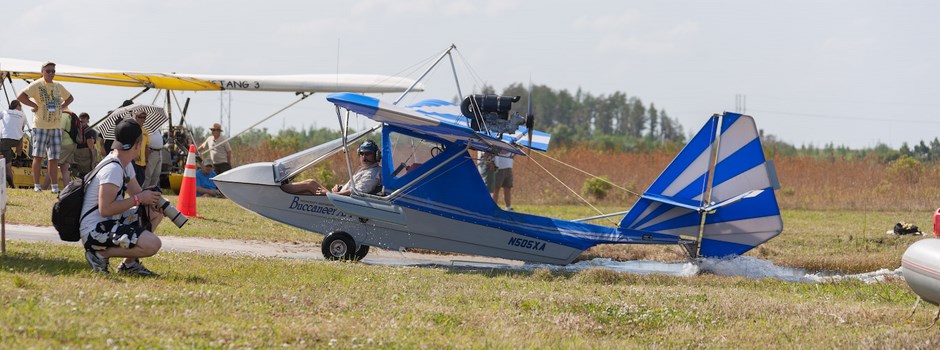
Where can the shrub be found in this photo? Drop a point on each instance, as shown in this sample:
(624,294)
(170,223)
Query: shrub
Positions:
(596,187)
(906,169)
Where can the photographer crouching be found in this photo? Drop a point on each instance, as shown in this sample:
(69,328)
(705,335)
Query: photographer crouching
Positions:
(110,227)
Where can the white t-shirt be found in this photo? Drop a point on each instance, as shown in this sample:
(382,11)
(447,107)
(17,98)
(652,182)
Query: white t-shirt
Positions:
(109,174)
(11,124)
(503,161)
(156,139)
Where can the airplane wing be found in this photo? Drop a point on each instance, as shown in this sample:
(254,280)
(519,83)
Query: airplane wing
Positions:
(449,113)
(26,69)
(438,118)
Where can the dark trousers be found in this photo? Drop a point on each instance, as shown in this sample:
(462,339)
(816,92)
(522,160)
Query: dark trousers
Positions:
(222,167)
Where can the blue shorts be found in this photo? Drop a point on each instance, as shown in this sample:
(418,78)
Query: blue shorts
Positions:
(46,143)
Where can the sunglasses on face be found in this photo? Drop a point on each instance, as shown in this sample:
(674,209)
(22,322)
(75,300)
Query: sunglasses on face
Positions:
(365,153)
(49,70)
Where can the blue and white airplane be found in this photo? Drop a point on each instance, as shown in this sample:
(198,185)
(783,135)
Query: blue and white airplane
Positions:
(715,199)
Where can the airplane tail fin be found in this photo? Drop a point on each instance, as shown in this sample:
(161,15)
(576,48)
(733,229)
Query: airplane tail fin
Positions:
(718,193)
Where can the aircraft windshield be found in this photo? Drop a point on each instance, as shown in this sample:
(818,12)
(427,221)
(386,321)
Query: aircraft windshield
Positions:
(409,153)
(296,163)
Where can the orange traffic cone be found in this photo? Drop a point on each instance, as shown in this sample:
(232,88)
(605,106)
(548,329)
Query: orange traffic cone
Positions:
(187,199)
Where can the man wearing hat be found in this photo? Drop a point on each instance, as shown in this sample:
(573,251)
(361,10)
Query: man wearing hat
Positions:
(204,184)
(220,156)
(50,99)
(367,179)
(109,227)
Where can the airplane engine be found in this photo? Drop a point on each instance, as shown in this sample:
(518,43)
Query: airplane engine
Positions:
(493,111)
(920,266)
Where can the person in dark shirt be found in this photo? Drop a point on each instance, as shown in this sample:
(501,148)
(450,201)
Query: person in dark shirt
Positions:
(85,153)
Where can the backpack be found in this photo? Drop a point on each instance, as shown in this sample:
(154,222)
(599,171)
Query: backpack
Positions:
(67,211)
(75,132)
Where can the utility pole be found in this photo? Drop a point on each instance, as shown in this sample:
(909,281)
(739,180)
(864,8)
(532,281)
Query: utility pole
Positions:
(225,109)
(740,103)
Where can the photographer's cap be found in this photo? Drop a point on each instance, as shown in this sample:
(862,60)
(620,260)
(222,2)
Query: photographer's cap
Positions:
(126,134)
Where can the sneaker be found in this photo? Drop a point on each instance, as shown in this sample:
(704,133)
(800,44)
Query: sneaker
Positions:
(55,191)
(508,208)
(37,189)
(136,268)
(97,263)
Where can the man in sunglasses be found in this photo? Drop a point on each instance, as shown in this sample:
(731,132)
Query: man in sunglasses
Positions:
(367,179)
(50,99)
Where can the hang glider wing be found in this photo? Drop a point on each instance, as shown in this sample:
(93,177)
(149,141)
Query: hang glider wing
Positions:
(438,118)
(25,69)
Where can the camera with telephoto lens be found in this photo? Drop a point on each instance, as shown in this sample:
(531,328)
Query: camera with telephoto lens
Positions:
(172,213)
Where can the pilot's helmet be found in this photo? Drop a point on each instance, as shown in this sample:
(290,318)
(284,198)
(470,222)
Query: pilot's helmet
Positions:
(370,146)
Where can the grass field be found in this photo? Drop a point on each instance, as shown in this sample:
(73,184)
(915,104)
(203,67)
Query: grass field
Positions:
(51,300)
(835,222)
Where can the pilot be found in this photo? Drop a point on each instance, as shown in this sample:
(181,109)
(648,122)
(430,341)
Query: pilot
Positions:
(367,179)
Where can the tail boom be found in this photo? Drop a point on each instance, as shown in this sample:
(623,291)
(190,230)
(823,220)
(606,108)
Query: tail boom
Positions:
(719,189)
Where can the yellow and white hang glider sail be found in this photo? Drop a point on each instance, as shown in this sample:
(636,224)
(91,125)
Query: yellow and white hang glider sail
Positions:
(363,83)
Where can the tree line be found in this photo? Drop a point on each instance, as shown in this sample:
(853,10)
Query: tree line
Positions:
(611,122)
(615,121)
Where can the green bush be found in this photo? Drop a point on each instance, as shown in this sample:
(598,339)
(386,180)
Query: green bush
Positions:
(596,187)
(906,169)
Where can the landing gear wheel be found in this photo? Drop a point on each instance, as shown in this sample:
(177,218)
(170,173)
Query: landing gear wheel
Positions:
(339,246)
(361,253)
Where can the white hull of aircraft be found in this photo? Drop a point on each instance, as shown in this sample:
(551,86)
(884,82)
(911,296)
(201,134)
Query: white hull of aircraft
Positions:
(253,188)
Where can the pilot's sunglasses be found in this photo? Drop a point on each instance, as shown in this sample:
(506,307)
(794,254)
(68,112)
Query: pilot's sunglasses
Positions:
(50,70)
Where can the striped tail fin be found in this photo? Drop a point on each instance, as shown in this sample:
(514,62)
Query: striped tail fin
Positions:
(718,192)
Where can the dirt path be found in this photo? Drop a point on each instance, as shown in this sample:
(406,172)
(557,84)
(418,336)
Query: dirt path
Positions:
(304,251)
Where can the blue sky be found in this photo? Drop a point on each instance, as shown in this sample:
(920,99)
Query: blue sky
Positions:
(852,73)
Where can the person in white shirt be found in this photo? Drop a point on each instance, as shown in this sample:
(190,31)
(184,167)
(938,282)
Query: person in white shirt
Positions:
(109,227)
(221,155)
(12,122)
(503,178)
(154,160)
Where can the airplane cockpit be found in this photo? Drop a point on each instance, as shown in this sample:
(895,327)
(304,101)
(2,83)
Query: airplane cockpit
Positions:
(409,153)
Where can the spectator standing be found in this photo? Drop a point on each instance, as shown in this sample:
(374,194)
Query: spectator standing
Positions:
(12,122)
(67,149)
(220,156)
(487,168)
(85,152)
(503,178)
(154,160)
(140,164)
(50,99)
(69,145)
